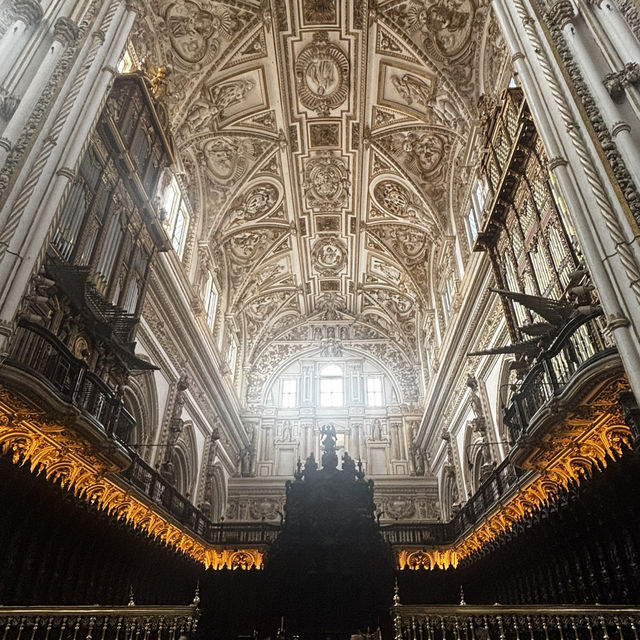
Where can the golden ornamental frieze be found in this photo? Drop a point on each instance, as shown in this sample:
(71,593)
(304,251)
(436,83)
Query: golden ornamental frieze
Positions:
(603,443)
(56,451)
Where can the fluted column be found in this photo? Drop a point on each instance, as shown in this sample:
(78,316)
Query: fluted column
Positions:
(26,14)
(65,32)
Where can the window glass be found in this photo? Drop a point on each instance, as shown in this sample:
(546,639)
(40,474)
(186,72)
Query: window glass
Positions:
(289,393)
(331,386)
(210,299)
(375,396)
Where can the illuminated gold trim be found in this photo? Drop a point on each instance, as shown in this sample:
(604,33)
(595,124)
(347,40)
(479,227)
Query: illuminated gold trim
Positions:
(576,447)
(571,451)
(57,451)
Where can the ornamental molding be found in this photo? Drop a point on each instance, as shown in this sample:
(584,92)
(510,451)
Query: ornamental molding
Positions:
(28,11)
(49,446)
(329,256)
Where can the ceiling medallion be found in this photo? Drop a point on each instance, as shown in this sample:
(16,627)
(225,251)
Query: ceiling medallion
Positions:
(194,31)
(326,182)
(329,256)
(322,74)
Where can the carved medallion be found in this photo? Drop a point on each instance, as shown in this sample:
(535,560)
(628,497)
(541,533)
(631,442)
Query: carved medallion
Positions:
(322,74)
(257,202)
(329,256)
(326,182)
(193,31)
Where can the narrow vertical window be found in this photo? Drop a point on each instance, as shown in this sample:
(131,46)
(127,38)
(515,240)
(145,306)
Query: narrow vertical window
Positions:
(289,398)
(375,395)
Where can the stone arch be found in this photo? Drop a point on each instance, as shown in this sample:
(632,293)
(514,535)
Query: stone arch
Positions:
(141,400)
(449,494)
(505,381)
(185,459)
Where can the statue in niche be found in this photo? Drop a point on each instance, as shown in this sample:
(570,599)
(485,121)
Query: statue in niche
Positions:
(286,431)
(376,429)
(478,422)
(246,460)
(418,461)
(317,333)
(330,348)
(344,333)
(329,457)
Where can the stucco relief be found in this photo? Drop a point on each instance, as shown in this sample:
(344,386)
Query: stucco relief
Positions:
(329,256)
(420,152)
(322,75)
(255,203)
(442,27)
(326,182)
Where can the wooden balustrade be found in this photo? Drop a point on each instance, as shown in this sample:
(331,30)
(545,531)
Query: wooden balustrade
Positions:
(516,622)
(94,622)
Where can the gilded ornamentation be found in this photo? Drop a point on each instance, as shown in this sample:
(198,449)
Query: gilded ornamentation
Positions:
(322,74)
(52,448)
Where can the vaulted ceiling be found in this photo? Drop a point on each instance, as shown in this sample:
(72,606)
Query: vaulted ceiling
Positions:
(325,147)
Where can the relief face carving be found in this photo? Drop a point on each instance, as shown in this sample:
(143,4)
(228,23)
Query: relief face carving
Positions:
(226,158)
(192,30)
(322,74)
(421,153)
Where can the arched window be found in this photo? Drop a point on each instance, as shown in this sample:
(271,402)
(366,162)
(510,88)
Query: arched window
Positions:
(331,386)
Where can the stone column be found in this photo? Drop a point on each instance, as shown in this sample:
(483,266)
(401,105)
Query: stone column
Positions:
(584,54)
(65,33)
(28,213)
(596,219)
(622,38)
(26,13)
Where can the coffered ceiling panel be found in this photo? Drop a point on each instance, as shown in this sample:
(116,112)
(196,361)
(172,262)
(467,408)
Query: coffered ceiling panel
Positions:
(324,148)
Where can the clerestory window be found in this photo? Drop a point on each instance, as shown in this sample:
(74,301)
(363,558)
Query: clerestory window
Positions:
(331,386)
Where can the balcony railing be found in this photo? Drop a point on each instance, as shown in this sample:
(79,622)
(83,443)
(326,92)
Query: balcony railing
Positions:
(150,483)
(39,353)
(578,345)
(501,481)
(106,623)
(517,622)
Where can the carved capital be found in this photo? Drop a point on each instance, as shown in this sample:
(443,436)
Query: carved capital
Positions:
(28,11)
(8,103)
(65,31)
(136,7)
(561,13)
(616,321)
(614,84)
